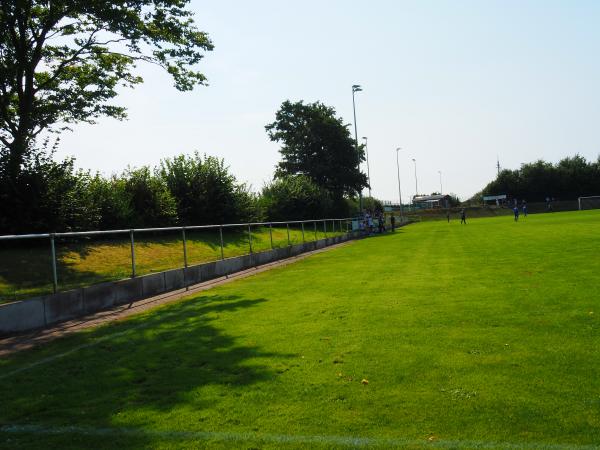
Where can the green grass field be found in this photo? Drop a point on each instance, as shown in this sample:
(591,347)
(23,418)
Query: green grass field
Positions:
(478,336)
(26,268)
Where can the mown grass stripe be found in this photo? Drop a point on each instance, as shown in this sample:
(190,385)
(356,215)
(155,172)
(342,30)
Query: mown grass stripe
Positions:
(225,436)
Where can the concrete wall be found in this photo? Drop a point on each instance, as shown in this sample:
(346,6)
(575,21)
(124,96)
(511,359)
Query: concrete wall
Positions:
(40,312)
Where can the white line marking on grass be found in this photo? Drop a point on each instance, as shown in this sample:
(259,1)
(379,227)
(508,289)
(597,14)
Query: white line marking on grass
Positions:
(344,441)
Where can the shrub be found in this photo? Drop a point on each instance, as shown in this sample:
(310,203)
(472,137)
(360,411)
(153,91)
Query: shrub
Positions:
(295,197)
(205,191)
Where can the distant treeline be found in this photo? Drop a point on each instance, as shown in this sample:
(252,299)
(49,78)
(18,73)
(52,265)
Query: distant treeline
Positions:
(569,179)
(52,196)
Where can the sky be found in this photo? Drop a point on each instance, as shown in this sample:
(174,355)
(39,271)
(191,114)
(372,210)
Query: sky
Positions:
(455,84)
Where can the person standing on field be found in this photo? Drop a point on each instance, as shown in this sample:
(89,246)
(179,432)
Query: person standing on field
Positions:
(463,217)
(370,223)
(393,222)
(380,223)
(516,211)
(524,208)
(448,215)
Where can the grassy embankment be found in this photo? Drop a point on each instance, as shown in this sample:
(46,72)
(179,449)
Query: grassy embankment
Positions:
(25,268)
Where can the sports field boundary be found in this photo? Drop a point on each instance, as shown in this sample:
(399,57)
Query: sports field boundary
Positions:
(26,340)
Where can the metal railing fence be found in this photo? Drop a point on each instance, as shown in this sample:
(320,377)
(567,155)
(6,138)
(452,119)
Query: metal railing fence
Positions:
(306,227)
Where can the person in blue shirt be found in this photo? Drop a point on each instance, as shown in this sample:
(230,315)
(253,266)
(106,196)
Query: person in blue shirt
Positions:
(516,211)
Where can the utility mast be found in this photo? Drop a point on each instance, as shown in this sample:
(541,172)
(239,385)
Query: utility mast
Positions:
(498,164)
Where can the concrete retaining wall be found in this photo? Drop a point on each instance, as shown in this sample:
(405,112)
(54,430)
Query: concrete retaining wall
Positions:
(40,312)
(22,316)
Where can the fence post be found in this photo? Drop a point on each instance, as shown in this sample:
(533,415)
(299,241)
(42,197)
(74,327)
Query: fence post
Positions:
(325,228)
(250,238)
(288,233)
(303,232)
(271,234)
(185,261)
(221,236)
(54,275)
(315,222)
(132,254)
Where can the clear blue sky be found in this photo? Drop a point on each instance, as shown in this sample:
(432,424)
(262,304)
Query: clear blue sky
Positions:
(454,83)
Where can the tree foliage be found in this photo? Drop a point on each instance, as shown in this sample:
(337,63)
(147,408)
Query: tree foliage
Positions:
(570,178)
(295,197)
(184,190)
(54,196)
(205,191)
(373,205)
(61,61)
(316,143)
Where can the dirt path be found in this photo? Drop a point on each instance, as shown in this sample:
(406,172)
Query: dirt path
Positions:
(25,341)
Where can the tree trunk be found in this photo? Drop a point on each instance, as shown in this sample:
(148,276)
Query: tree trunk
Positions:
(16,155)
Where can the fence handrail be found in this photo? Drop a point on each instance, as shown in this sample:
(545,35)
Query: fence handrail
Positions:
(10,237)
(131,232)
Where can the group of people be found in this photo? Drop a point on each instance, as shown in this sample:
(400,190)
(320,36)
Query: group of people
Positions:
(369,222)
(463,216)
(376,222)
(516,210)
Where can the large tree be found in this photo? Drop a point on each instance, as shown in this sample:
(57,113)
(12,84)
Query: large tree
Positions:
(317,143)
(61,61)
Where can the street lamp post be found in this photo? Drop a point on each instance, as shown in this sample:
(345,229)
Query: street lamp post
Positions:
(356,88)
(399,191)
(416,186)
(441,190)
(368,169)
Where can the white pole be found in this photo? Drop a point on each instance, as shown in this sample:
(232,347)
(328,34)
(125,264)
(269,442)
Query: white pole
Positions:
(368,169)
(399,191)
(416,186)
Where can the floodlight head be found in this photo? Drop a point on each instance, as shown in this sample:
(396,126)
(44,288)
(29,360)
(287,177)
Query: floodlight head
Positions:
(356,88)
(414,160)
(365,138)
(398,149)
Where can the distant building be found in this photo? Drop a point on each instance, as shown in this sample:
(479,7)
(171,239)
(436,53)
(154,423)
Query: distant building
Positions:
(431,201)
(496,199)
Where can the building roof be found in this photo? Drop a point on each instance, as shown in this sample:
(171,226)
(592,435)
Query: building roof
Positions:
(429,198)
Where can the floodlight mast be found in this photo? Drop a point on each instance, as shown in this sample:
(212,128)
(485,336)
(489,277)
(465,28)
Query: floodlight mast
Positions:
(357,88)
(368,169)
(416,186)
(399,191)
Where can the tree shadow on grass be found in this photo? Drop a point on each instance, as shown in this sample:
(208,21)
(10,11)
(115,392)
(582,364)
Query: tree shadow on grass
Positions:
(133,373)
